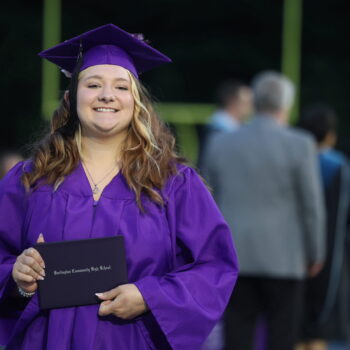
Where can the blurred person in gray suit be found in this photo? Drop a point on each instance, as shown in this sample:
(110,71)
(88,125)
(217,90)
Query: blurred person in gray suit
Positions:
(266,181)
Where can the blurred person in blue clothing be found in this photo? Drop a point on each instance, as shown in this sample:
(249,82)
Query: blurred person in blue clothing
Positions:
(234,101)
(234,104)
(327,296)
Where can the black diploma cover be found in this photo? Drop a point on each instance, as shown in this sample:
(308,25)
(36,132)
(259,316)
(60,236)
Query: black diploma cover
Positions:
(76,270)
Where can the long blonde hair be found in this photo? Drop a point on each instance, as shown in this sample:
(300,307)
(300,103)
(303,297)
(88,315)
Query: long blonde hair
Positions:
(148,154)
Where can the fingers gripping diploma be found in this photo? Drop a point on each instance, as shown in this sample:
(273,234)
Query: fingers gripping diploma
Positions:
(125,302)
(28,268)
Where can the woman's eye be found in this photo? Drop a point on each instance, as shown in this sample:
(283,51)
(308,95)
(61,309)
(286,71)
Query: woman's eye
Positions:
(93,86)
(122,88)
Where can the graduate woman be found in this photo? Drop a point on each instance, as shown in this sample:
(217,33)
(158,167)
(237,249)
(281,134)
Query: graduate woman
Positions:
(108,167)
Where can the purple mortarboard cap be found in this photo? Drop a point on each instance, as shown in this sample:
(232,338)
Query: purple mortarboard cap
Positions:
(106,45)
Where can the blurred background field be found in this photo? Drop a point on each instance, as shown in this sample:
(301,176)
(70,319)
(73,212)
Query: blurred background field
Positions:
(209,41)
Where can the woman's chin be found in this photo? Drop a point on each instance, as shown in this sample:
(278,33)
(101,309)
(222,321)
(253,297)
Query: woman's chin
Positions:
(106,128)
(109,130)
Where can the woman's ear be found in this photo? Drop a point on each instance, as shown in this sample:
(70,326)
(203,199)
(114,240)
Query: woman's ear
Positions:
(66,96)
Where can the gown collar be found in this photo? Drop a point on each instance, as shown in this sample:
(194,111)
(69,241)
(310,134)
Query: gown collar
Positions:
(78,184)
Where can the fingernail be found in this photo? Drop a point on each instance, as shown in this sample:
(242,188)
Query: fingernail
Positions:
(42,265)
(40,278)
(99,295)
(43,273)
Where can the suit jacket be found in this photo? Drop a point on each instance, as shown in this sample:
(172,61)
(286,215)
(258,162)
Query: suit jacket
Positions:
(266,181)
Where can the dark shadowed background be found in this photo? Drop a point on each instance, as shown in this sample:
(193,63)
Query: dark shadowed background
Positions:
(208,41)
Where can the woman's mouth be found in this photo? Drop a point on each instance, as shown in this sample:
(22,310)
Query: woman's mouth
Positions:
(106,109)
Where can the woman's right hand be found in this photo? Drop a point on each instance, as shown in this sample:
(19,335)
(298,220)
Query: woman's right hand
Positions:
(28,268)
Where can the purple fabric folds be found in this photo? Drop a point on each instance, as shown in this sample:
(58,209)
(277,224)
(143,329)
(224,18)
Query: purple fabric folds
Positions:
(180,256)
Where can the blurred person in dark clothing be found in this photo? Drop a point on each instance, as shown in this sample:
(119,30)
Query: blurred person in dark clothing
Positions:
(234,105)
(8,159)
(265,179)
(327,307)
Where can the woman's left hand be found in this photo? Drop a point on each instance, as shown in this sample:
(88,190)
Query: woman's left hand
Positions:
(125,302)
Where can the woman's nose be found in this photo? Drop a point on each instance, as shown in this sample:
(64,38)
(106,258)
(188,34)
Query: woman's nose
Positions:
(107,95)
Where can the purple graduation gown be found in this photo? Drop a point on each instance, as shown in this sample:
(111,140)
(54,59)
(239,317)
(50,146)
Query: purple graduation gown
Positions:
(180,256)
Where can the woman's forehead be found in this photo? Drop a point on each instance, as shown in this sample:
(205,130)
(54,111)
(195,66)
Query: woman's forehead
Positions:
(105,71)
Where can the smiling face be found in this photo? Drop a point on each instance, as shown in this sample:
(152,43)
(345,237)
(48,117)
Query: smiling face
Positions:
(105,104)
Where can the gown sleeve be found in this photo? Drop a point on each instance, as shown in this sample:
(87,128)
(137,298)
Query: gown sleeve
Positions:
(13,208)
(189,300)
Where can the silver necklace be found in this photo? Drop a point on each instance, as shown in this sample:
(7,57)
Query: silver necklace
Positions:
(96,189)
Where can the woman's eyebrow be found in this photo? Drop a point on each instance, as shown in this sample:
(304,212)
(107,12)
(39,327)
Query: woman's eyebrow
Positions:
(93,77)
(96,76)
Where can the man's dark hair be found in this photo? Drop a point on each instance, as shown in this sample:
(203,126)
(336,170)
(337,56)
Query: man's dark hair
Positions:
(319,120)
(228,91)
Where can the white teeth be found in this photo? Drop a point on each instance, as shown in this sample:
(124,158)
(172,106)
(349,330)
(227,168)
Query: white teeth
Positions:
(105,109)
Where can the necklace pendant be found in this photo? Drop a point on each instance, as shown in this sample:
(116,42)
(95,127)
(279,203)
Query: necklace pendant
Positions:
(95,190)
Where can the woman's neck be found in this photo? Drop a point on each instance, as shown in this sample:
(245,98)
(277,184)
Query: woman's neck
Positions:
(100,152)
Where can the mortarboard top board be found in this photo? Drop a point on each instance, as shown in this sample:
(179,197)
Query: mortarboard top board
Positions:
(106,45)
